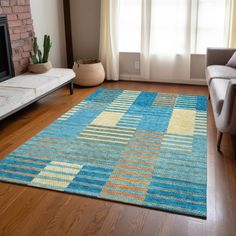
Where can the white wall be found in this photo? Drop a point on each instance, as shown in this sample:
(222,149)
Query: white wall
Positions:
(48,18)
(85,17)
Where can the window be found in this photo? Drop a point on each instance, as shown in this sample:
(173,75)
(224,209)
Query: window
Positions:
(212,24)
(130,25)
(169,26)
(208,28)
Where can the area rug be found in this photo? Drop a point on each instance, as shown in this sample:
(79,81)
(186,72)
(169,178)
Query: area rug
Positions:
(142,148)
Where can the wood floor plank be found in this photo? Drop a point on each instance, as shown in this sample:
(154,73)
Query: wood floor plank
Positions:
(8,194)
(32,211)
(51,203)
(132,221)
(15,217)
(110,226)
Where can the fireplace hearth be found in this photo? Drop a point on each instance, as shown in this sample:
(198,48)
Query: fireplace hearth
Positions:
(6,66)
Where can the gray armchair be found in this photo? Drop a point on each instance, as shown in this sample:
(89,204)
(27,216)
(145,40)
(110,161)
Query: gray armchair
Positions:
(221,81)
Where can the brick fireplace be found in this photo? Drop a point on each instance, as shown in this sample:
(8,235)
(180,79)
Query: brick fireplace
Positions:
(21,31)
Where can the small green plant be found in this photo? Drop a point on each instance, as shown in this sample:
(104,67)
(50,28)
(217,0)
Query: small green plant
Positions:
(37,56)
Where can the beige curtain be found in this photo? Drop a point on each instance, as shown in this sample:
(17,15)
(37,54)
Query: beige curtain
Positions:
(233,25)
(109,49)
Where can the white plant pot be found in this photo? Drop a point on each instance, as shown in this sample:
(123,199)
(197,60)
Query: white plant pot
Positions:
(89,74)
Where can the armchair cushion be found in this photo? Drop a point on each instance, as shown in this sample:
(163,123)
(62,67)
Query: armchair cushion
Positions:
(218,71)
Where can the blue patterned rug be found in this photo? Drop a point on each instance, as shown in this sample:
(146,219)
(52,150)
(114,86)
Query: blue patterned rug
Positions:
(142,148)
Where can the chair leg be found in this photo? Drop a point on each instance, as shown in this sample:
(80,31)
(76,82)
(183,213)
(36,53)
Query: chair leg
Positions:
(71,87)
(219,139)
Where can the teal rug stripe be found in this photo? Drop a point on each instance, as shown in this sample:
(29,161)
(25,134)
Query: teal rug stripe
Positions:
(142,148)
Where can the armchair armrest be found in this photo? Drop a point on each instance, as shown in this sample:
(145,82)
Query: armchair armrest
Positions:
(219,56)
(227,119)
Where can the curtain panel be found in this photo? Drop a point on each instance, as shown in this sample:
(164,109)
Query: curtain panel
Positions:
(170,40)
(232,42)
(109,35)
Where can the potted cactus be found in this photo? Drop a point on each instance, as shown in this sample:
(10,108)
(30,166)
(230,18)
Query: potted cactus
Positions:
(39,61)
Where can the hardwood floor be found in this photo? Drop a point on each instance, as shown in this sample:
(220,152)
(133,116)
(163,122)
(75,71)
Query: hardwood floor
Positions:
(33,211)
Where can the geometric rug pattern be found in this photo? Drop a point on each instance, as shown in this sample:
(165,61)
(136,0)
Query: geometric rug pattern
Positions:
(142,148)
